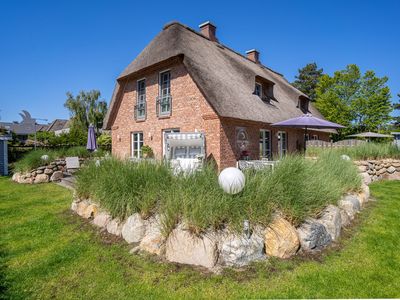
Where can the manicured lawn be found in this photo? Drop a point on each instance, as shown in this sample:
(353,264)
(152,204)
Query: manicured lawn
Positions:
(46,252)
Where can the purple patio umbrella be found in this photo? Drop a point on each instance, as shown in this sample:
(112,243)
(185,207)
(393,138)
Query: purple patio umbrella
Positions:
(91,139)
(307,121)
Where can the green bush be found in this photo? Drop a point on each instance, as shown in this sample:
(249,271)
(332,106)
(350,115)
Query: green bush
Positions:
(297,187)
(361,152)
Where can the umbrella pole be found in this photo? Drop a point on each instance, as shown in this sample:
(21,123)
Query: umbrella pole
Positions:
(305,140)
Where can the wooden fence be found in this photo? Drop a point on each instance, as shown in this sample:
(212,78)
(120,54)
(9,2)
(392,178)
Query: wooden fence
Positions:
(331,144)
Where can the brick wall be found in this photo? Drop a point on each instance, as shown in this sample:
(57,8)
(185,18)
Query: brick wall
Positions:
(190,112)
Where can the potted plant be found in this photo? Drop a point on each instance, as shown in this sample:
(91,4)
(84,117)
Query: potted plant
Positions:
(147,151)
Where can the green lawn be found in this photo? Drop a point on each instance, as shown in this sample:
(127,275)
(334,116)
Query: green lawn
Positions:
(46,252)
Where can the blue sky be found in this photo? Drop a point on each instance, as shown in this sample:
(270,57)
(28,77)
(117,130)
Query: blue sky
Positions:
(50,47)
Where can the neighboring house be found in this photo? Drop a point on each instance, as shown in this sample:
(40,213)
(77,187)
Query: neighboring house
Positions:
(187,81)
(26,127)
(59,126)
(4,138)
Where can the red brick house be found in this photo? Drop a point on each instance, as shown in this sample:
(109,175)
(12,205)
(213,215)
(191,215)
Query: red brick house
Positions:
(187,81)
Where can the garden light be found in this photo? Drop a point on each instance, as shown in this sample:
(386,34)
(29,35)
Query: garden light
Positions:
(231,180)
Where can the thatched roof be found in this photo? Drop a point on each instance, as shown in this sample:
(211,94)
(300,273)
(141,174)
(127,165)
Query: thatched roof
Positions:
(57,124)
(225,77)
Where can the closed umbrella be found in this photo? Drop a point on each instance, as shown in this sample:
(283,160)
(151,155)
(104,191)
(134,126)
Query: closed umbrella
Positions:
(91,141)
(308,121)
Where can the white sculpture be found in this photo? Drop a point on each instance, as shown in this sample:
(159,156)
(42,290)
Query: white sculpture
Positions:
(44,157)
(231,180)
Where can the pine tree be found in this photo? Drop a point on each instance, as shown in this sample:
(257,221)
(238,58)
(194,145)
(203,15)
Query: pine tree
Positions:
(307,79)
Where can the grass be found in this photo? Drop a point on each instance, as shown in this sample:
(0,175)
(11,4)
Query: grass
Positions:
(33,159)
(361,152)
(297,187)
(48,253)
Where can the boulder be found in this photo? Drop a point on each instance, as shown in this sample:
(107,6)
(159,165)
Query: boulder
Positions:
(344,217)
(186,248)
(102,219)
(313,236)
(134,229)
(39,171)
(363,168)
(281,238)
(41,178)
(48,171)
(153,240)
(86,209)
(350,204)
(365,190)
(80,207)
(332,221)
(366,178)
(16,176)
(57,175)
(115,227)
(41,168)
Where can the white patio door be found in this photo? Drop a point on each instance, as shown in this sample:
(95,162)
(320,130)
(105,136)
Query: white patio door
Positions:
(171,130)
(282,143)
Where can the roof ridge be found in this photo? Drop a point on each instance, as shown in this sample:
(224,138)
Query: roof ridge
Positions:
(169,24)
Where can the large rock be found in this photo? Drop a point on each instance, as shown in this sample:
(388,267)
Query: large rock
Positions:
(80,206)
(281,238)
(186,248)
(365,190)
(345,218)
(57,175)
(134,229)
(313,236)
(115,227)
(153,240)
(16,176)
(48,171)
(239,250)
(392,176)
(350,204)
(332,221)
(86,209)
(102,219)
(41,178)
(366,178)
(391,170)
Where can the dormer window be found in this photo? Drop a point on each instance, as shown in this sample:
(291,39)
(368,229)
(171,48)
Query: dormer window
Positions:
(303,104)
(258,90)
(264,89)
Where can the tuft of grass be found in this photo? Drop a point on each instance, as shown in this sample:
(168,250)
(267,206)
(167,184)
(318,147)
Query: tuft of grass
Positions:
(361,152)
(297,187)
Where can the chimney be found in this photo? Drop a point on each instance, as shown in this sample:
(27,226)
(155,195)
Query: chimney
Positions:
(208,30)
(253,55)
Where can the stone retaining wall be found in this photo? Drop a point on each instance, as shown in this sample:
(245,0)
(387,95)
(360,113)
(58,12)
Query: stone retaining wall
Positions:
(52,171)
(216,249)
(374,170)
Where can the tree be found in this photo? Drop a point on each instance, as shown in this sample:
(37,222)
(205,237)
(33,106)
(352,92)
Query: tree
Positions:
(86,109)
(359,102)
(307,79)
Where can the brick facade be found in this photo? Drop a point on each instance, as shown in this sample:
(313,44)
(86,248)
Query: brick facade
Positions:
(190,112)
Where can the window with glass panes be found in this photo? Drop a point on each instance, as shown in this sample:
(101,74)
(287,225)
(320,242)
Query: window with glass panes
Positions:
(165,92)
(141,99)
(282,143)
(137,144)
(265,144)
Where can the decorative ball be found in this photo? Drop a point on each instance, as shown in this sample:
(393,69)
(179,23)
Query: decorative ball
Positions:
(231,180)
(345,157)
(44,157)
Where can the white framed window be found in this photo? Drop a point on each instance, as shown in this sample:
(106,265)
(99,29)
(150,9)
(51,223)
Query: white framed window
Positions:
(315,137)
(164,98)
(307,137)
(137,144)
(140,110)
(258,90)
(282,143)
(265,144)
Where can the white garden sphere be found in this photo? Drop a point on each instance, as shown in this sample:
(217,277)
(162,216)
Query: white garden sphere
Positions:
(231,180)
(345,157)
(44,157)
